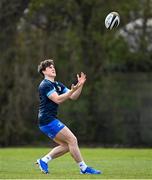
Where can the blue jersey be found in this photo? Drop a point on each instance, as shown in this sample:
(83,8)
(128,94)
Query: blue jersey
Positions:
(47,108)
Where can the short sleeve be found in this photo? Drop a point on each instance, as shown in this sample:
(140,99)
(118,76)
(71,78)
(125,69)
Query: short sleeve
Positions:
(47,89)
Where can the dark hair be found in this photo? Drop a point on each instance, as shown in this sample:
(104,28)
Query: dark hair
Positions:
(44,64)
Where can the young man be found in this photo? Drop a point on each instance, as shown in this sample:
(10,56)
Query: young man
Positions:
(53,93)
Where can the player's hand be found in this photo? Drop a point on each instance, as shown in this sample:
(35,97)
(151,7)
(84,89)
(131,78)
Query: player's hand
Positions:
(75,87)
(81,78)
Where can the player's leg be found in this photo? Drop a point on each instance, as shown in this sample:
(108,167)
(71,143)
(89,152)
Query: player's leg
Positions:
(51,130)
(55,152)
(66,136)
(57,131)
(59,150)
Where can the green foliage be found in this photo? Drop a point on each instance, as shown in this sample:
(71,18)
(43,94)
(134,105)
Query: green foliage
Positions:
(112,107)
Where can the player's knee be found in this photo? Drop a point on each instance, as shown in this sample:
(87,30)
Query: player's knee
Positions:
(73,140)
(66,148)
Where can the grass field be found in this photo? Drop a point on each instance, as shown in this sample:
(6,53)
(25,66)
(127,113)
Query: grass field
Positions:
(18,163)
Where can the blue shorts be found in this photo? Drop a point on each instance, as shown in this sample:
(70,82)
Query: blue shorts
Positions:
(52,128)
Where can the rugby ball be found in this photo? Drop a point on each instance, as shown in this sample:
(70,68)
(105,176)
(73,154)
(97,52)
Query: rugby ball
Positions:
(112,20)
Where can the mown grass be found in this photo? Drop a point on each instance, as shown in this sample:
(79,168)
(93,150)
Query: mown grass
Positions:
(18,163)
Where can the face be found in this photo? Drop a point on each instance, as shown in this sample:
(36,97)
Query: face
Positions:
(50,71)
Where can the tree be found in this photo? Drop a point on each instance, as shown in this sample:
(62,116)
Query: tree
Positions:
(72,32)
(10,13)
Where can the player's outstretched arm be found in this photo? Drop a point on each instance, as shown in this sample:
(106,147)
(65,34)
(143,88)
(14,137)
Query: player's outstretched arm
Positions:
(58,99)
(81,79)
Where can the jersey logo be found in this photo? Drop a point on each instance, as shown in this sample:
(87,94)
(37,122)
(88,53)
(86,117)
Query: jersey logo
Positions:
(59,88)
(59,124)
